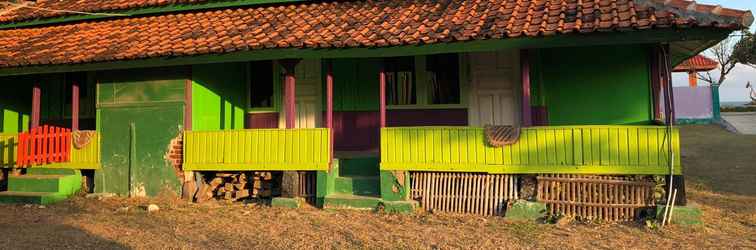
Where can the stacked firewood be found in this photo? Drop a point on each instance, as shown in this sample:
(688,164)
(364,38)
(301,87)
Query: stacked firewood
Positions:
(237,186)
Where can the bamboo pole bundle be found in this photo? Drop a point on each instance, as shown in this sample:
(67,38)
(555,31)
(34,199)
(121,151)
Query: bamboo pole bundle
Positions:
(476,193)
(610,198)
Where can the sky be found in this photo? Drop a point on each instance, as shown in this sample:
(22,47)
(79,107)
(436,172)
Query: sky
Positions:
(733,89)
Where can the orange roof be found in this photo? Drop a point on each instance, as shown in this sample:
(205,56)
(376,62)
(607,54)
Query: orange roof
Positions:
(697,63)
(329,24)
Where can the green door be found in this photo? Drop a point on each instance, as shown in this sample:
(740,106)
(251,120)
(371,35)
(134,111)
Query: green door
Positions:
(134,143)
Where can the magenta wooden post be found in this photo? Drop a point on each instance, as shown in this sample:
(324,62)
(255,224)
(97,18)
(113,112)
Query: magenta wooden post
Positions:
(75,106)
(382,83)
(527,119)
(329,106)
(290,92)
(36,100)
(188,105)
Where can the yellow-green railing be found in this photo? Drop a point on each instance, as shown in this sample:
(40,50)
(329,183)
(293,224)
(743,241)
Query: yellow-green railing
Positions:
(8,145)
(556,149)
(257,149)
(87,157)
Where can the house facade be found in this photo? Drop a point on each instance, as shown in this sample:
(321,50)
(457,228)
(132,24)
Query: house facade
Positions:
(359,104)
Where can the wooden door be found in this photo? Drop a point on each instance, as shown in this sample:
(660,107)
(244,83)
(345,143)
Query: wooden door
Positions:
(494,86)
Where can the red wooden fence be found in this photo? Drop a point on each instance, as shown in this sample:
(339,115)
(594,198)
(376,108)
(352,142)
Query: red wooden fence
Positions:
(44,145)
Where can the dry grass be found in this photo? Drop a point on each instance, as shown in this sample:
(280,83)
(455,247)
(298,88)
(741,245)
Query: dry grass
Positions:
(730,222)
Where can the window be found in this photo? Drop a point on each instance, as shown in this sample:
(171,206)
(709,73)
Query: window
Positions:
(443,78)
(400,81)
(261,84)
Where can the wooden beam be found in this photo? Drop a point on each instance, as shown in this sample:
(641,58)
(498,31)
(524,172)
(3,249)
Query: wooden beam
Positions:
(75,106)
(382,83)
(188,104)
(329,106)
(36,105)
(290,93)
(527,114)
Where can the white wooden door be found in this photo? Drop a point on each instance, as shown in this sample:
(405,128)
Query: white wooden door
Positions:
(308,88)
(494,88)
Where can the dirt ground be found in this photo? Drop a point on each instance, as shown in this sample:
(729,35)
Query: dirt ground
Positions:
(721,183)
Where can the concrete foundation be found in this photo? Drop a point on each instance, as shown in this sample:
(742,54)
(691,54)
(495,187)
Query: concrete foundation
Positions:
(286,202)
(682,215)
(522,210)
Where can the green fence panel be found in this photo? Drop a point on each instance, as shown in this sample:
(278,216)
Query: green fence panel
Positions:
(257,149)
(591,149)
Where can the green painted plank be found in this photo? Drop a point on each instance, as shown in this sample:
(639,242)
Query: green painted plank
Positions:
(529,169)
(507,151)
(605,146)
(454,139)
(577,140)
(559,146)
(569,147)
(623,147)
(516,160)
(655,146)
(550,146)
(613,143)
(534,149)
(524,149)
(262,166)
(498,156)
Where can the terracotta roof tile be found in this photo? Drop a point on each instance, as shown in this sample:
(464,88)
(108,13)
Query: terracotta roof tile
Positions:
(698,63)
(335,24)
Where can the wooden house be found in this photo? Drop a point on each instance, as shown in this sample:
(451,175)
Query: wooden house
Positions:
(351,103)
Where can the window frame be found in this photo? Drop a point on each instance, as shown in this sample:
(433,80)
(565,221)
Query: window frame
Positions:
(276,82)
(423,89)
(415,82)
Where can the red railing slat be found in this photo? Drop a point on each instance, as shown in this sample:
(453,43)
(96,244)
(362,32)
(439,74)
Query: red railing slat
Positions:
(44,145)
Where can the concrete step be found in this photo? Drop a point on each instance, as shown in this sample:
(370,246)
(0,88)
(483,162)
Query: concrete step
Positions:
(42,198)
(348,201)
(52,171)
(358,185)
(359,166)
(63,184)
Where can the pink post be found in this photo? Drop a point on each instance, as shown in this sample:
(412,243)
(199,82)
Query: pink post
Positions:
(188,104)
(290,92)
(36,97)
(382,81)
(527,119)
(329,106)
(75,106)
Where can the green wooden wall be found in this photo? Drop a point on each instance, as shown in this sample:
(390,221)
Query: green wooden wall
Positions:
(219,96)
(139,112)
(15,103)
(355,84)
(594,85)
